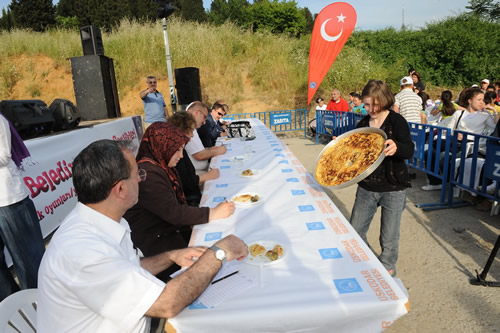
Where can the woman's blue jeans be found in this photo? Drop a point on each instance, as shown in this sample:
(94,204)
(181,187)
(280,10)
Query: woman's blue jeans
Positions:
(20,233)
(365,207)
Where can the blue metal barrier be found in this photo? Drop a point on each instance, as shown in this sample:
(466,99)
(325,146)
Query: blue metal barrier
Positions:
(284,120)
(239,116)
(335,123)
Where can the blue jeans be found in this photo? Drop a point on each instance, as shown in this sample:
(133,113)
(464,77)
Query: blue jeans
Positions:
(20,233)
(393,204)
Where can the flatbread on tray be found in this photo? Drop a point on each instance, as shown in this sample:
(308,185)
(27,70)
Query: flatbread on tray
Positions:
(348,158)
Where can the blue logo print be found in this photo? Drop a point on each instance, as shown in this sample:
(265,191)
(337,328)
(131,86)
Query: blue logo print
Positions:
(312,85)
(306,208)
(225,167)
(280,155)
(197,305)
(315,226)
(213,236)
(226,161)
(292,180)
(283,162)
(332,253)
(221,185)
(277,149)
(218,199)
(347,286)
(298,192)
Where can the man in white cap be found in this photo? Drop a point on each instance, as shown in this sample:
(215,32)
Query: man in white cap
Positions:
(484,84)
(407,103)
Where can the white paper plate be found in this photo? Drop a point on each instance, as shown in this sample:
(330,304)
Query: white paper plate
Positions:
(262,259)
(256,173)
(249,203)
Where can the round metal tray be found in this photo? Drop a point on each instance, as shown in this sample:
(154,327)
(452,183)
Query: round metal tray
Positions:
(365,173)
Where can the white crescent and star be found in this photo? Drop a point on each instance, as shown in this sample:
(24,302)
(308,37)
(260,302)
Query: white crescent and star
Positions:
(327,37)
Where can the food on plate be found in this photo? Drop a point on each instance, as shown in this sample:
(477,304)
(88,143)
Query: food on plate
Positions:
(246,198)
(348,158)
(248,172)
(256,249)
(278,249)
(272,255)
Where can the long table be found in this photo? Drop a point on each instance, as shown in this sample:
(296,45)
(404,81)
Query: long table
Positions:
(329,280)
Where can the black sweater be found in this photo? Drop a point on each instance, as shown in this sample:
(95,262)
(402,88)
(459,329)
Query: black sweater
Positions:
(392,174)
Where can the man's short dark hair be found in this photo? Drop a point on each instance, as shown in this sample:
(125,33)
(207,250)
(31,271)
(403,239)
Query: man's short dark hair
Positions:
(217,106)
(97,167)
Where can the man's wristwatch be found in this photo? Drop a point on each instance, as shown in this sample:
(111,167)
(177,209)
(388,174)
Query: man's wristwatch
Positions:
(219,253)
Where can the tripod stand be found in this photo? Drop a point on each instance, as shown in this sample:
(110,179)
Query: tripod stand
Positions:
(480,278)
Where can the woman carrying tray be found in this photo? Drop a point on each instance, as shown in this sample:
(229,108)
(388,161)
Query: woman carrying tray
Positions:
(386,186)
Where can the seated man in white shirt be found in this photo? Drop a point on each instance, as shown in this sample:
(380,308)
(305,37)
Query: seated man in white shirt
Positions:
(198,154)
(92,278)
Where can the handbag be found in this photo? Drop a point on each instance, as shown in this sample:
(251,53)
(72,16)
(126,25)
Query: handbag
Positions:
(241,129)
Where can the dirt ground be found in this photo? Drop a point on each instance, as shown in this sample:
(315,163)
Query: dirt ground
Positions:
(439,251)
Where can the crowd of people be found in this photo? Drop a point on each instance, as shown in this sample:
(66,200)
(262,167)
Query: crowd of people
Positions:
(108,267)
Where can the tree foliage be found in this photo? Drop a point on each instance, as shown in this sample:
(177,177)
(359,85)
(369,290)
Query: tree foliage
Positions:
(486,9)
(33,14)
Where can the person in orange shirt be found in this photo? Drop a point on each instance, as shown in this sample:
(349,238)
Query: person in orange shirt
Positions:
(337,103)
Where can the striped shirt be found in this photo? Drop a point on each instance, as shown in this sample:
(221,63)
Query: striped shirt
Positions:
(410,105)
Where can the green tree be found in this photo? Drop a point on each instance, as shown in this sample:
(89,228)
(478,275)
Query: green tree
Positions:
(486,9)
(6,22)
(277,17)
(33,14)
(192,10)
(235,11)
(142,10)
(309,20)
(219,12)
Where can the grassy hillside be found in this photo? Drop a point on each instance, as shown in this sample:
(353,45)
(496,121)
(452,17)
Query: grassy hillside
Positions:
(250,71)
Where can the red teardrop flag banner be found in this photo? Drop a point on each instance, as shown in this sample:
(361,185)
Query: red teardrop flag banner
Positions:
(333,26)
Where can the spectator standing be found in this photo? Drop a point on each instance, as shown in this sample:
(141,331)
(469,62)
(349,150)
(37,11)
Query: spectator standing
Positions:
(19,226)
(337,103)
(417,82)
(407,103)
(484,84)
(489,101)
(321,104)
(351,100)
(386,186)
(358,106)
(93,278)
(155,108)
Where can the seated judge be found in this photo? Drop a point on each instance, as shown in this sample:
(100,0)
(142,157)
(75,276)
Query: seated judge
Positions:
(161,219)
(211,130)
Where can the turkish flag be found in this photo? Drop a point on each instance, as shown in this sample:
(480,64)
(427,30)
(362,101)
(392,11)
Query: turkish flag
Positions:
(333,26)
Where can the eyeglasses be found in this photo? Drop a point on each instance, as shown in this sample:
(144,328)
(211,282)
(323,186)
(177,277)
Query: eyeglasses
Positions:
(204,115)
(220,114)
(141,174)
(152,82)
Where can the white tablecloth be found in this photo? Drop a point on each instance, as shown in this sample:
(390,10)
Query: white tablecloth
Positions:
(329,281)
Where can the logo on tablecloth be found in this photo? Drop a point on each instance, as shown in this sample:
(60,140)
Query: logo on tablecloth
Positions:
(315,226)
(347,286)
(219,199)
(213,236)
(298,192)
(332,253)
(225,167)
(221,185)
(286,170)
(277,149)
(306,208)
(197,305)
(292,180)
(226,161)
(274,145)
(280,155)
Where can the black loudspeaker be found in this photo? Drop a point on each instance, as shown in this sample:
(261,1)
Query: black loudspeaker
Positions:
(91,40)
(187,82)
(65,113)
(31,118)
(95,87)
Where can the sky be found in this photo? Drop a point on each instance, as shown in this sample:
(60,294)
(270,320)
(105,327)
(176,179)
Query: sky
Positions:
(380,14)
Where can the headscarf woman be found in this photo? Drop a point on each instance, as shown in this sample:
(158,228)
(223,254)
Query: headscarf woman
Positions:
(161,213)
